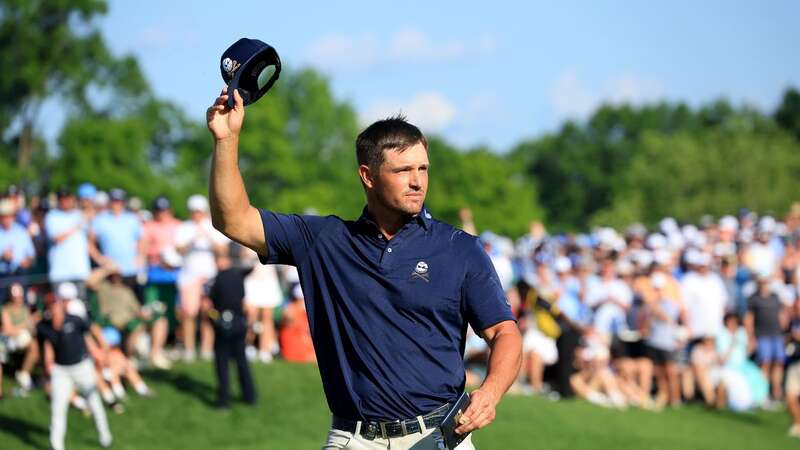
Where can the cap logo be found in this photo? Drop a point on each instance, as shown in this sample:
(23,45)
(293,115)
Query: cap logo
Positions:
(230,66)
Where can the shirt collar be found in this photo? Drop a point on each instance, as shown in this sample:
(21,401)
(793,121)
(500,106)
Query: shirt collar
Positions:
(423,218)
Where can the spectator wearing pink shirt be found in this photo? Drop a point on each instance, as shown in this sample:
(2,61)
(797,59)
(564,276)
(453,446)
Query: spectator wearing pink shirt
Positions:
(163,262)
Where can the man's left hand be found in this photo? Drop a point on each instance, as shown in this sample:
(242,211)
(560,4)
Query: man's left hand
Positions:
(480,412)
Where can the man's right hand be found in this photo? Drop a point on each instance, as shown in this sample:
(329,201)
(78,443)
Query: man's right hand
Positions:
(224,122)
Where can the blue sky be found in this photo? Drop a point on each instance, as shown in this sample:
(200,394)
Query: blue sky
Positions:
(475,73)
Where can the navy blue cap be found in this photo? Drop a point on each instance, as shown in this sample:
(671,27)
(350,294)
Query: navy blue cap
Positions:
(117,195)
(252,67)
(161,203)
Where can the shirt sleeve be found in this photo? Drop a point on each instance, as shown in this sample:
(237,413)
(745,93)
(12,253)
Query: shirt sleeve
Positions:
(28,251)
(183,234)
(289,237)
(136,227)
(484,300)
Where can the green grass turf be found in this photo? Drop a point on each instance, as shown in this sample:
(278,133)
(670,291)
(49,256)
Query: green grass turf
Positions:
(292,414)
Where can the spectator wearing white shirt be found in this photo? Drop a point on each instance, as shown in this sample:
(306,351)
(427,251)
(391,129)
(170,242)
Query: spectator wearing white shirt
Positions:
(196,239)
(704,296)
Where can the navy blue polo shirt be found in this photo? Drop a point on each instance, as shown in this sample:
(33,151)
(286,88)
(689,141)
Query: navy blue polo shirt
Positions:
(388,318)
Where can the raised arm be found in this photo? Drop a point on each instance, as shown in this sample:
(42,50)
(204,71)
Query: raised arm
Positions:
(231,211)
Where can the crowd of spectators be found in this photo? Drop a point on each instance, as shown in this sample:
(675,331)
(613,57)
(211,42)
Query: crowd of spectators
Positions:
(141,276)
(658,317)
(648,318)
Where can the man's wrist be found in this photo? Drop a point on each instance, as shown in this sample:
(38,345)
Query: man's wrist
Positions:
(492,390)
(233,138)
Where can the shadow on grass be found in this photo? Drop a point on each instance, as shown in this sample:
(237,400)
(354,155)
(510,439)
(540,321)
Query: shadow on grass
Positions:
(205,392)
(25,431)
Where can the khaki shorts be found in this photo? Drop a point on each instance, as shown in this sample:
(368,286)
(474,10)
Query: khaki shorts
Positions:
(426,440)
(793,380)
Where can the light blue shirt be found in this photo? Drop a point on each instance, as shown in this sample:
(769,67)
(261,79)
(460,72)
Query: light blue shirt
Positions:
(118,238)
(726,340)
(663,334)
(69,259)
(19,241)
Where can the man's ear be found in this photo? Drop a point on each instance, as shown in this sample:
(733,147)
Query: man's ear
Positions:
(366,176)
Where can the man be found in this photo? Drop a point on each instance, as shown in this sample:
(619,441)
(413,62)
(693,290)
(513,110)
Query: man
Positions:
(163,262)
(389,296)
(230,328)
(68,253)
(765,320)
(67,360)
(118,233)
(119,307)
(704,296)
(16,247)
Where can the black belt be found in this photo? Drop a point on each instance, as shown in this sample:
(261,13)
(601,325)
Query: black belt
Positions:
(393,429)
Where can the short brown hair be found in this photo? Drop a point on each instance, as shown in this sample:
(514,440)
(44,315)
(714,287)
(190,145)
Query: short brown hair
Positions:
(393,133)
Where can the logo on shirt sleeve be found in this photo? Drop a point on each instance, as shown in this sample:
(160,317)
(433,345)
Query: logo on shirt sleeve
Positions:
(421,271)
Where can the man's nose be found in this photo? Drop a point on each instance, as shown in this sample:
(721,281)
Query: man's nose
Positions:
(414,181)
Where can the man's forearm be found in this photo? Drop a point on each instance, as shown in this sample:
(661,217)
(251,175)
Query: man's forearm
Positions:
(505,360)
(227,195)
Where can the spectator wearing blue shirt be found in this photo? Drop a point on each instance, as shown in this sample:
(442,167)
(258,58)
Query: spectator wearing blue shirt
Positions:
(115,238)
(17,196)
(389,296)
(16,247)
(67,233)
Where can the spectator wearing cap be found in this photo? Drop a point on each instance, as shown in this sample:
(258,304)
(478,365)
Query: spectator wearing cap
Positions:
(263,294)
(664,339)
(163,264)
(765,254)
(196,239)
(101,200)
(117,304)
(704,296)
(226,309)
(86,196)
(765,321)
(16,247)
(66,359)
(67,231)
(115,239)
(17,196)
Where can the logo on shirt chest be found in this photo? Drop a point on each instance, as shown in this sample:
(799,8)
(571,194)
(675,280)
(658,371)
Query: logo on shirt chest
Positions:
(421,272)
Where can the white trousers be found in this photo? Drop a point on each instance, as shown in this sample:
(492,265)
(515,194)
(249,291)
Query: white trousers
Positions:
(63,381)
(428,439)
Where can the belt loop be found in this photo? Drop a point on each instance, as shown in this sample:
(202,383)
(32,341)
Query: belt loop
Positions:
(422,427)
(383,430)
(357,433)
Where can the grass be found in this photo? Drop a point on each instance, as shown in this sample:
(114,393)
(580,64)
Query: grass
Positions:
(292,413)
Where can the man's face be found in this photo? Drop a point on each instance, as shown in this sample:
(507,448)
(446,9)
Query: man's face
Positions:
(162,215)
(66,203)
(117,206)
(6,220)
(402,180)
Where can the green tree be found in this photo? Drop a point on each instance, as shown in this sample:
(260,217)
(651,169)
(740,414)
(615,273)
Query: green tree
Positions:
(718,171)
(54,51)
(788,113)
(501,198)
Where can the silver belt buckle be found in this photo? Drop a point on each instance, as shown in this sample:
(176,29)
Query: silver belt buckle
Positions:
(403,427)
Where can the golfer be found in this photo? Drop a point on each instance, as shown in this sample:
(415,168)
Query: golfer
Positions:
(389,295)
(67,360)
